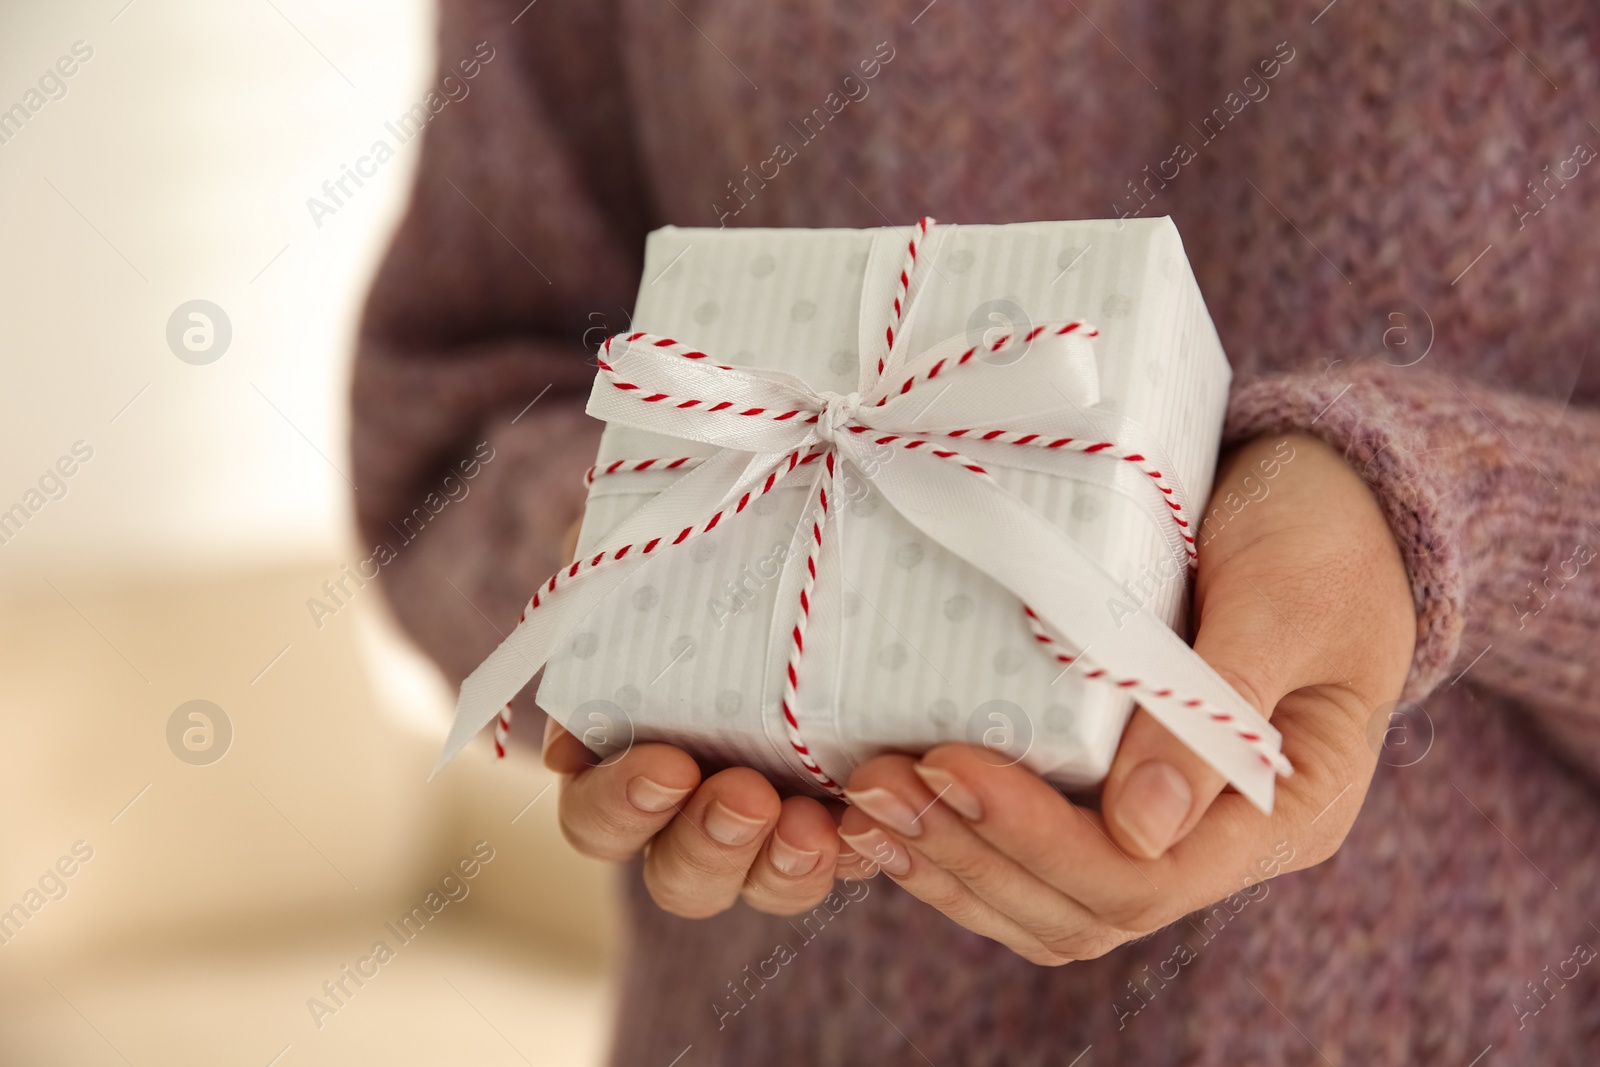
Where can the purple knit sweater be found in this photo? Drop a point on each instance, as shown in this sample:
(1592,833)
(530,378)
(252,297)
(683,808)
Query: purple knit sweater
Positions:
(1392,209)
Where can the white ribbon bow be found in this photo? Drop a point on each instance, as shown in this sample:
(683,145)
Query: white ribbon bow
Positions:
(765,424)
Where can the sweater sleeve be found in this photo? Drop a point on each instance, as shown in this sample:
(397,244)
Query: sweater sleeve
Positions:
(518,250)
(1492,497)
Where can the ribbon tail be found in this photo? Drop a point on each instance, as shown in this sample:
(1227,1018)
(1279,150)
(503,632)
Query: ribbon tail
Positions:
(687,504)
(521,655)
(978,520)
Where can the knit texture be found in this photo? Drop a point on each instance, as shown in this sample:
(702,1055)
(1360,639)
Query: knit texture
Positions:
(1391,218)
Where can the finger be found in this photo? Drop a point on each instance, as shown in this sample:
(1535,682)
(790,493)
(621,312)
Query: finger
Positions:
(1063,845)
(852,864)
(1231,848)
(1235,846)
(697,866)
(1158,788)
(938,888)
(610,810)
(888,790)
(562,751)
(1023,817)
(795,871)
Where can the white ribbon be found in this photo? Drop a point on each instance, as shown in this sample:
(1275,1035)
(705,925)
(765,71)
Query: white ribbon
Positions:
(645,382)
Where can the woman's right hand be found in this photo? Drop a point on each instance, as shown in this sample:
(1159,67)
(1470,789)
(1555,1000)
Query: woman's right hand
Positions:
(706,843)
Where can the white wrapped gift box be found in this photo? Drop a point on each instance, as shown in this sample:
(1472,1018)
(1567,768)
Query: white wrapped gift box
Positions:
(909,645)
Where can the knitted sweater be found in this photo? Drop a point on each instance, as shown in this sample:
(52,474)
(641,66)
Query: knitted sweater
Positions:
(1391,211)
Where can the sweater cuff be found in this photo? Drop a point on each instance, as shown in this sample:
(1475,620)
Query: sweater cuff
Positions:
(1379,418)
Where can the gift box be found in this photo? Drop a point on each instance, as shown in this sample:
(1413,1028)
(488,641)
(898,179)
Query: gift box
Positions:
(875,490)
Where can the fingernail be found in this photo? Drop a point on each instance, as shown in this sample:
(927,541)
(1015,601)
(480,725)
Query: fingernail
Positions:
(790,860)
(728,827)
(1155,801)
(950,791)
(653,797)
(887,809)
(874,847)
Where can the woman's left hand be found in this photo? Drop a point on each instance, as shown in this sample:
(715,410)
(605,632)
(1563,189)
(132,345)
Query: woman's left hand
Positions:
(1305,609)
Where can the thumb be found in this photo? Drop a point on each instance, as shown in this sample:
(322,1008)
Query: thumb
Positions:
(1158,788)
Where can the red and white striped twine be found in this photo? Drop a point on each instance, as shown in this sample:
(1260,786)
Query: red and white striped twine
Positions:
(677,348)
(1107,448)
(585,564)
(1263,748)
(610,374)
(502,731)
(631,465)
(797,644)
(903,290)
(1082,328)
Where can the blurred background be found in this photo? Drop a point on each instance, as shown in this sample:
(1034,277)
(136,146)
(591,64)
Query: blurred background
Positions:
(215,803)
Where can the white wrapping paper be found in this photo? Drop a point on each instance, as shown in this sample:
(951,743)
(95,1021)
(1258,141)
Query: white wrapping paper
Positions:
(908,645)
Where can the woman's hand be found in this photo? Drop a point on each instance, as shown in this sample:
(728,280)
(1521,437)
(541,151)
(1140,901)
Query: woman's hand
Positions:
(1305,608)
(706,843)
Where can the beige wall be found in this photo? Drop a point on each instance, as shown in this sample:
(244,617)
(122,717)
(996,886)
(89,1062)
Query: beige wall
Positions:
(174,565)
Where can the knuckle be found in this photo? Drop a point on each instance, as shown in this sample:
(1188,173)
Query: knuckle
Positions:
(967,912)
(686,907)
(788,900)
(1085,943)
(1043,956)
(702,864)
(1323,848)
(1138,913)
(595,846)
(597,831)
(1244,682)
(686,898)
(953,900)
(975,866)
(593,850)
